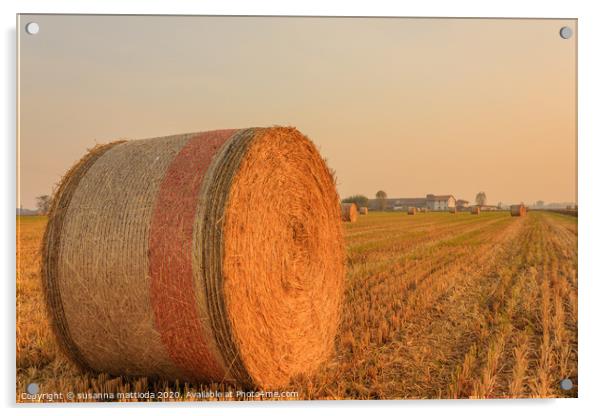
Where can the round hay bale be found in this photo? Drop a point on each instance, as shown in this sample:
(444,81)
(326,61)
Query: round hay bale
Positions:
(364,211)
(197,257)
(349,211)
(453,210)
(518,210)
(411,210)
(475,210)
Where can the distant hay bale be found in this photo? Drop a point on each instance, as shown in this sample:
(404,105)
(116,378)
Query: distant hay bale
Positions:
(475,210)
(364,211)
(518,210)
(411,210)
(453,210)
(197,258)
(349,211)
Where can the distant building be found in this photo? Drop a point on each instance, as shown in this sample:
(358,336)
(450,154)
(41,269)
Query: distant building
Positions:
(405,203)
(440,202)
(462,204)
(489,207)
(430,202)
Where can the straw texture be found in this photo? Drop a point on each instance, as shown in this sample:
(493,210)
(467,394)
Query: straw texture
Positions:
(51,251)
(157,263)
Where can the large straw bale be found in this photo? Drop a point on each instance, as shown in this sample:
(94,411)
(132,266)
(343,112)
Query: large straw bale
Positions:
(198,257)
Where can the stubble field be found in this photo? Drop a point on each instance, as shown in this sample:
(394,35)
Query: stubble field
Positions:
(436,306)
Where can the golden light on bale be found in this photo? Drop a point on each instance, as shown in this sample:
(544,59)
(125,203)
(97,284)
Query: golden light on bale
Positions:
(411,210)
(197,257)
(475,210)
(364,211)
(349,211)
(518,210)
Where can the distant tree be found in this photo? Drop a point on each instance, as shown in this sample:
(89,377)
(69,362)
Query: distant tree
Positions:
(360,200)
(43,204)
(382,199)
(481,198)
(540,204)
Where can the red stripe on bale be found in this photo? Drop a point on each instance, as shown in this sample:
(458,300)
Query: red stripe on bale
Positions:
(170,258)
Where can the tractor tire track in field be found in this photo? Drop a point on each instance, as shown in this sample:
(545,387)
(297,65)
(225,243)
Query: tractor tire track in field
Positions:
(411,246)
(410,227)
(436,306)
(489,312)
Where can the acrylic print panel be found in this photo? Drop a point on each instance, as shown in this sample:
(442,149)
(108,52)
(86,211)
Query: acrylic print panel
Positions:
(296,208)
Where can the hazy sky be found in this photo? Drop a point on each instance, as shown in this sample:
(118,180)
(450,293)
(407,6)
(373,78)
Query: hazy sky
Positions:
(410,106)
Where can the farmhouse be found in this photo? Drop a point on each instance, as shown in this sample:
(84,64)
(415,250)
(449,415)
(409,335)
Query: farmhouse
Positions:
(430,202)
(405,203)
(440,202)
(462,204)
(488,207)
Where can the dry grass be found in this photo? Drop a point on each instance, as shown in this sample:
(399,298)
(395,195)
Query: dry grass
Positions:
(436,306)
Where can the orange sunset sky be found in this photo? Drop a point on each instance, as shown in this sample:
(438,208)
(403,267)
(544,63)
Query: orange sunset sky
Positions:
(410,106)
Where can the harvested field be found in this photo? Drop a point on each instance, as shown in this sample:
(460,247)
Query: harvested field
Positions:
(436,306)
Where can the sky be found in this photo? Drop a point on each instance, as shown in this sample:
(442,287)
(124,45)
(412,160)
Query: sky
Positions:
(409,106)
